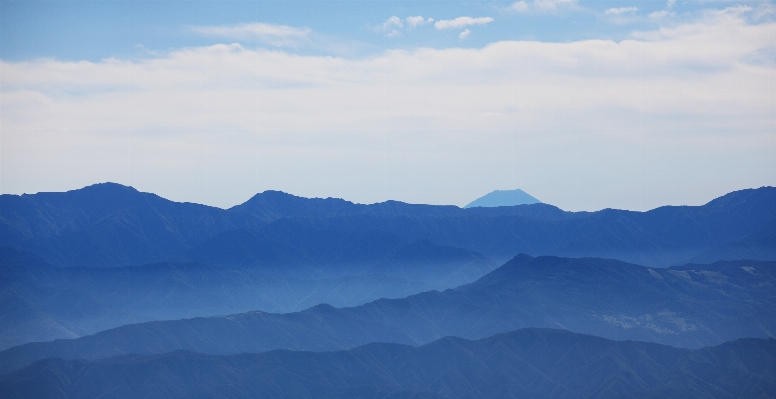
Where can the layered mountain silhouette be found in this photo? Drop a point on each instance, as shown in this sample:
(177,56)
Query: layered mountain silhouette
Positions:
(110,291)
(288,247)
(281,253)
(536,363)
(665,236)
(689,306)
(109,225)
(42,303)
(503,198)
(273,205)
(113,225)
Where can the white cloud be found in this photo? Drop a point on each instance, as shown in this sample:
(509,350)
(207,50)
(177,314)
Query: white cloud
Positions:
(621,10)
(550,5)
(391,22)
(519,6)
(391,26)
(462,22)
(464,34)
(764,10)
(658,15)
(720,45)
(693,99)
(276,35)
(541,6)
(418,21)
(670,4)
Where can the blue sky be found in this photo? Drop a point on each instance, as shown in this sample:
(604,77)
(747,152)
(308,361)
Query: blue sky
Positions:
(94,30)
(584,105)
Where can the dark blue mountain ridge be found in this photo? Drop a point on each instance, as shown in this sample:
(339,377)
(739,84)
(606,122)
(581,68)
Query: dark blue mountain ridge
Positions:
(277,204)
(112,225)
(661,237)
(54,213)
(690,306)
(536,363)
(272,205)
(109,225)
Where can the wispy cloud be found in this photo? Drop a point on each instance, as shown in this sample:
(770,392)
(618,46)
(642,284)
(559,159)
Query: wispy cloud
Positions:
(549,5)
(464,34)
(541,6)
(462,22)
(392,22)
(519,6)
(621,10)
(275,35)
(658,15)
(662,14)
(418,21)
(764,10)
(391,26)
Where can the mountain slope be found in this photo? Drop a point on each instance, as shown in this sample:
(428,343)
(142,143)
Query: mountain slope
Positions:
(273,205)
(42,303)
(692,306)
(289,248)
(525,363)
(109,225)
(664,236)
(113,225)
(759,245)
(500,198)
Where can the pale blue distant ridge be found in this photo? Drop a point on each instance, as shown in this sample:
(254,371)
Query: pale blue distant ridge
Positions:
(504,198)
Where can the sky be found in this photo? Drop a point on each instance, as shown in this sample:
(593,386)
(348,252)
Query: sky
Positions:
(582,104)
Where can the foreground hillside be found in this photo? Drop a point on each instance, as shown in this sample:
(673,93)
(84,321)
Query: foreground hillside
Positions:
(689,306)
(535,363)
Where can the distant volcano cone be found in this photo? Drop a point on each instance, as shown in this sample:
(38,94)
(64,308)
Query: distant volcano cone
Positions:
(503,198)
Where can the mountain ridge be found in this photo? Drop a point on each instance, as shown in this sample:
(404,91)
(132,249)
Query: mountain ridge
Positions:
(691,307)
(152,229)
(547,363)
(39,302)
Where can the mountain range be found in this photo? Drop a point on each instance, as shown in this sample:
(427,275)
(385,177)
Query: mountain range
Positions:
(41,303)
(689,306)
(113,225)
(530,363)
(281,253)
(108,291)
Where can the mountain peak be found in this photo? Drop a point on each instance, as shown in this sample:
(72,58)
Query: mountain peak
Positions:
(503,198)
(272,205)
(765,195)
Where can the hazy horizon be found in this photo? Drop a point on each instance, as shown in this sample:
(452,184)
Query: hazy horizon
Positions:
(390,199)
(585,105)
